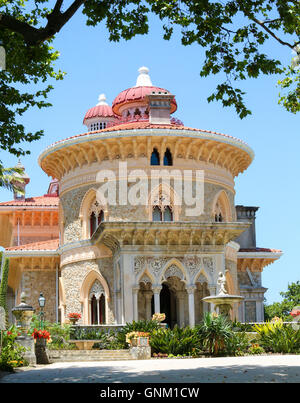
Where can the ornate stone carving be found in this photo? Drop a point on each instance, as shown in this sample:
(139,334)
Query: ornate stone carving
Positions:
(201,279)
(208,263)
(156,265)
(192,263)
(97,290)
(173,271)
(145,279)
(139,264)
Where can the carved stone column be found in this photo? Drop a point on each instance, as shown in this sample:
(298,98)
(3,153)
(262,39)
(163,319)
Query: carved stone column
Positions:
(148,297)
(135,291)
(181,300)
(191,290)
(156,291)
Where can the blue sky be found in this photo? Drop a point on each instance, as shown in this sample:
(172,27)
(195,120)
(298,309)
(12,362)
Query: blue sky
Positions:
(94,65)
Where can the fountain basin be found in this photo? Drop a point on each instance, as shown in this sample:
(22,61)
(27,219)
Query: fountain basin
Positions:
(223,301)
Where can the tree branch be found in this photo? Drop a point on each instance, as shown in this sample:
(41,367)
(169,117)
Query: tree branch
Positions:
(261,23)
(34,36)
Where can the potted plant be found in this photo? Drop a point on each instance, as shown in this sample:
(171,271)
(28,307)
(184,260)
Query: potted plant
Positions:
(138,339)
(74,317)
(41,337)
(159,317)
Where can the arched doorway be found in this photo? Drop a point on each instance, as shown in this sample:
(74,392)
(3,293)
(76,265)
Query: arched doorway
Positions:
(166,303)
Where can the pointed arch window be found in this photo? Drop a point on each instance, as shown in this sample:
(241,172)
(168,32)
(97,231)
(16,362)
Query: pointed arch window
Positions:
(97,304)
(168,160)
(96,217)
(156,214)
(93,223)
(155,158)
(218,213)
(100,217)
(162,213)
(168,214)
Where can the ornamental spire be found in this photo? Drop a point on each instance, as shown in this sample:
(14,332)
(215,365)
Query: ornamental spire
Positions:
(102,100)
(143,79)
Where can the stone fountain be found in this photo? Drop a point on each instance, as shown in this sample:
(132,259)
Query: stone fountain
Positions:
(223,301)
(23,314)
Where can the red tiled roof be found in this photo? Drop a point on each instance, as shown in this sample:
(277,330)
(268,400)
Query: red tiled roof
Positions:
(51,244)
(40,201)
(99,111)
(136,94)
(260,250)
(146,125)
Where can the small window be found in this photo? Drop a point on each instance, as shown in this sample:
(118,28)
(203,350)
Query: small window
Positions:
(100,217)
(168,214)
(155,160)
(93,223)
(168,160)
(98,310)
(156,214)
(160,214)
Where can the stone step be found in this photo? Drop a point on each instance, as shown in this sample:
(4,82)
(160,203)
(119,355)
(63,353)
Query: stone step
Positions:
(88,355)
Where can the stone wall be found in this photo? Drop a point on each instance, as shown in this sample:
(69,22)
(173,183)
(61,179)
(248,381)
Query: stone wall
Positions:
(72,199)
(73,276)
(35,282)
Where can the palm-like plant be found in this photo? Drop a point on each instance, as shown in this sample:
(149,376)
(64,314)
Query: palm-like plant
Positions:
(11,178)
(213,332)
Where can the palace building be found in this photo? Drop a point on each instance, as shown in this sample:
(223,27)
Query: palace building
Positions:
(139,217)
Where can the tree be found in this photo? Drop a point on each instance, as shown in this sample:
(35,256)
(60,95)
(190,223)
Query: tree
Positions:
(233,34)
(11,179)
(4,284)
(291,299)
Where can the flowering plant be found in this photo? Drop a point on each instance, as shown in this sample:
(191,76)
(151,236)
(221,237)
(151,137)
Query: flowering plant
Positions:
(41,334)
(134,335)
(159,317)
(74,315)
(276,319)
(295,312)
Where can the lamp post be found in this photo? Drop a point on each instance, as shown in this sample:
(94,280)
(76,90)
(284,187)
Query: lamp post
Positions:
(42,301)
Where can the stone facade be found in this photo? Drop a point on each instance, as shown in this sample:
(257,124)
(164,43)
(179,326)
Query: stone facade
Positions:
(121,260)
(37,281)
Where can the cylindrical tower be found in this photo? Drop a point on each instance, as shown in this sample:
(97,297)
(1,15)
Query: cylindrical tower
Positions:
(147,210)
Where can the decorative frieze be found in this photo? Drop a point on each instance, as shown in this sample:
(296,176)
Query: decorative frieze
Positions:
(190,267)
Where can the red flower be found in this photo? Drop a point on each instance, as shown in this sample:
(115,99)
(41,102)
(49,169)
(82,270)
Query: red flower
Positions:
(74,315)
(41,334)
(295,313)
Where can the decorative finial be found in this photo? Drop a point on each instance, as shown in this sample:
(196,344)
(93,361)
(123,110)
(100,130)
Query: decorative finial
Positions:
(143,79)
(102,100)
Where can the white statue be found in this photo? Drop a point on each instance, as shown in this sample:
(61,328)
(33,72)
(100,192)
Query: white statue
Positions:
(221,282)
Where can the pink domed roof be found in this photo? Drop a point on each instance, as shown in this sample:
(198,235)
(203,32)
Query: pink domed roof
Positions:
(102,109)
(135,94)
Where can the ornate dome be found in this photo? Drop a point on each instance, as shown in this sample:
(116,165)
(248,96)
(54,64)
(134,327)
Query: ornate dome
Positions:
(102,109)
(138,93)
(98,116)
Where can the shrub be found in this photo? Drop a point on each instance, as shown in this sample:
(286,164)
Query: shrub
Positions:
(147,326)
(277,337)
(237,344)
(4,284)
(12,354)
(255,348)
(176,341)
(60,333)
(213,333)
